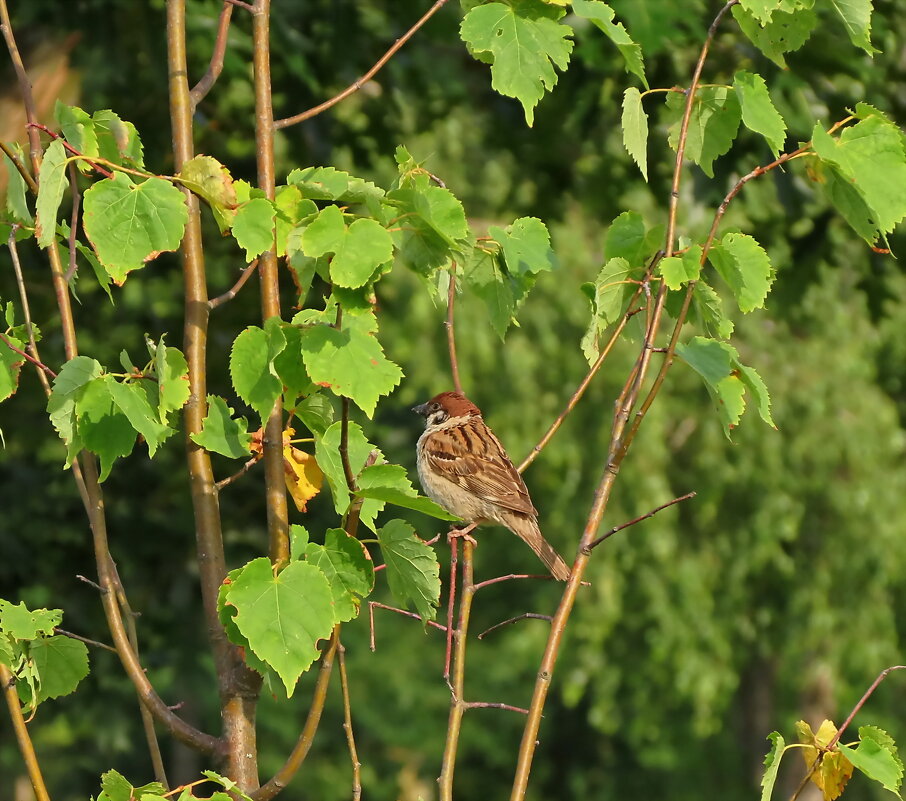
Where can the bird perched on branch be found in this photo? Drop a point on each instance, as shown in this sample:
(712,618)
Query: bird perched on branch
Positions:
(464,468)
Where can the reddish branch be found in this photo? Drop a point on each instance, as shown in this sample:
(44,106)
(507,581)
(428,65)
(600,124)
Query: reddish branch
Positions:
(360,82)
(24,355)
(233,290)
(70,149)
(639,519)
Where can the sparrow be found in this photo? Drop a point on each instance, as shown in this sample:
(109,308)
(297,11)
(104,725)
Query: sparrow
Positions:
(464,468)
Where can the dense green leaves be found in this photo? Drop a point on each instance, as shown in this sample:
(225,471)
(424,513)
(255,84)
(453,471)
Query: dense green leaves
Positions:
(131,223)
(679,270)
(524,43)
(283,616)
(345,563)
(412,570)
(252,368)
(727,379)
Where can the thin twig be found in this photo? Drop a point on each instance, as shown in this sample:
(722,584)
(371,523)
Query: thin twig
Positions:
(23,739)
(372,605)
(27,356)
(639,519)
(20,167)
(360,82)
(91,583)
(95,643)
(225,482)
(344,445)
(457,704)
(231,292)
(241,4)
(70,149)
(283,776)
(215,67)
(347,726)
(73,220)
(523,616)
(494,705)
(28,98)
(451,335)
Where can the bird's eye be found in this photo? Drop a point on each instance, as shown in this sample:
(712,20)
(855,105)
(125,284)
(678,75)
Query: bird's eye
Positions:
(435,407)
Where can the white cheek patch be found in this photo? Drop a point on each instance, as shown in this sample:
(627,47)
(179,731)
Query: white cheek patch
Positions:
(436,418)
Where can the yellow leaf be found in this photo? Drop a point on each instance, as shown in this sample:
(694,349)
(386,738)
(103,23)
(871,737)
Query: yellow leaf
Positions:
(834,769)
(303,476)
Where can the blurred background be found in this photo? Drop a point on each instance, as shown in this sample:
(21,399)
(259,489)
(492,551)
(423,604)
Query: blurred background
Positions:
(776,594)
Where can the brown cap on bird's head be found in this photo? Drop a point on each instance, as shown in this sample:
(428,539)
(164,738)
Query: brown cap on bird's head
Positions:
(455,404)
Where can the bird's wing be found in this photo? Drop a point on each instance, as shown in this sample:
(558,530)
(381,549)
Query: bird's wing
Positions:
(479,464)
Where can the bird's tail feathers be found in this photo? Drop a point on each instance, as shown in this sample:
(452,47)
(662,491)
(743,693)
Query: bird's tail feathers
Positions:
(527,529)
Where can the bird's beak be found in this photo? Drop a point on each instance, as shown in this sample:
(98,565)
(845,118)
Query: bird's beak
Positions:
(421,409)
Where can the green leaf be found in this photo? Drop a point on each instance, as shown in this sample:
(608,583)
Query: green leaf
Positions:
(115,787)
(78,129)
(876,756)
(525,42)
(746,268)
(712,125)
(51,184)
(102,426)
(129,224)
(431,223)
(758,112)
(22,623)
(358,250)
(413,573)
(132,402)
(483,276)
(253,226)
(292,208)
(389,483)
(679,270)
(16,202)
(289,367)
(327,454)
(526,246)
(761,9)
(726,379)
(10,365)
(211,181)
(350,361)
(61,663)
(709,312)
(316,413)
(284,616)
(227,784)
(348,568)
(635,129)
(221,433)
(771,765)
(252,367)
(870,156)
(787,31)
(118,141)
(172,379)
(628,238)
(298,541)
(602,16)
(609,296)
(61,405)
(856,16)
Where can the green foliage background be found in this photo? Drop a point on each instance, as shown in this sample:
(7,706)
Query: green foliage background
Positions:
(777,593)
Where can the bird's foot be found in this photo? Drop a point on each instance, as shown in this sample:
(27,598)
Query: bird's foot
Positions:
(463,533)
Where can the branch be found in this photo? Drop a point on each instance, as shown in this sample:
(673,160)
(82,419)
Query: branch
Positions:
(283,776)
(645,516)
(95,643)
(20,167)
(26,748)
(347,726)
(239,473)
(28,98)
(40,365)
(232,291)
(70,149)
(360,82)
(215,67)
(451,336)
(372,605)
(523,616)
(344,446)
(494,705)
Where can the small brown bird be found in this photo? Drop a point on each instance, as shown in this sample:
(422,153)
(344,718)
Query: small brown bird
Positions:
(464,468)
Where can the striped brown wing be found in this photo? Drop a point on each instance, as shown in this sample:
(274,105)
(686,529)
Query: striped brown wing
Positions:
(476,460)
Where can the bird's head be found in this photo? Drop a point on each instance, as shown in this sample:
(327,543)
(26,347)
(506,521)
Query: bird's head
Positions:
(446,406)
